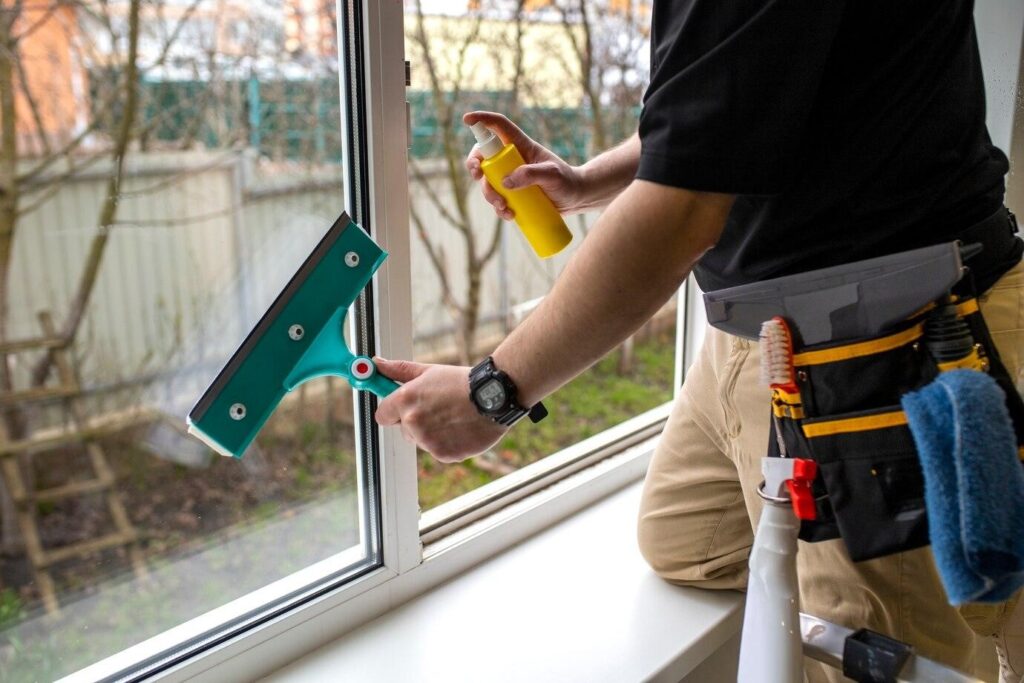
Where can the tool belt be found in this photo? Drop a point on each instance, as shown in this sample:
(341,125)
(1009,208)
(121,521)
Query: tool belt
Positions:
(865,353)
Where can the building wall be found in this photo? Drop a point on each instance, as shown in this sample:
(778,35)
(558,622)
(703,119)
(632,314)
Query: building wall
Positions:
(1000,25)
(49,106)
(550,66)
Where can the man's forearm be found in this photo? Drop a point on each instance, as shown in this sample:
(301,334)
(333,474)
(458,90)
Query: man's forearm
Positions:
(609,173)
(638,253)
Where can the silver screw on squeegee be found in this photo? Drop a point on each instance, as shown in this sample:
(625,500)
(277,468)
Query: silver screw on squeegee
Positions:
(296,332)
(351,259)
(237,411)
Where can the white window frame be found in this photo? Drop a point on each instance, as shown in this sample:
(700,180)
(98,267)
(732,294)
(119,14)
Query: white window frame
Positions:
(462,534)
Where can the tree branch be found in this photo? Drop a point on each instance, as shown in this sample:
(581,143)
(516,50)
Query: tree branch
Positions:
(173,37)
(33,106)
(417,173)
(108,210)
(435,258)
(492,248)
(54,184)
(33,27)
(9,181)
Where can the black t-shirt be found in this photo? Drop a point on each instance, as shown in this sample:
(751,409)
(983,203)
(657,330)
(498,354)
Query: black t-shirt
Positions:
(847,128)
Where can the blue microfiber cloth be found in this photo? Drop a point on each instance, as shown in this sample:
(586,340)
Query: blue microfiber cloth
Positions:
(974,485)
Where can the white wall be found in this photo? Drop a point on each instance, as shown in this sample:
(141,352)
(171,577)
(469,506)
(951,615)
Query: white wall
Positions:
(1000,25)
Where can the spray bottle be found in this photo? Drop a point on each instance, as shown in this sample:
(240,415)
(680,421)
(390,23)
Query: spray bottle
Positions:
(536,216)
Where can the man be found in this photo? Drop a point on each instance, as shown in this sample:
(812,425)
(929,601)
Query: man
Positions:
(777,136)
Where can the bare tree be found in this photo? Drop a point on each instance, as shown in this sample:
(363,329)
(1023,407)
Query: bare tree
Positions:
(35,164)
(118,109)
(108,210)
(9,185)
(607,40)
(29,173)
(601,54)
(445,92)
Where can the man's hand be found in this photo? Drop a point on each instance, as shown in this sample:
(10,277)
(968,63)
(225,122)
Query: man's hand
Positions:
(561,182)
(433,410)
(572,189)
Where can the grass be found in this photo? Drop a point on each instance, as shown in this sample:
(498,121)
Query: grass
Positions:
(596,400)
(11,608)
(439,482)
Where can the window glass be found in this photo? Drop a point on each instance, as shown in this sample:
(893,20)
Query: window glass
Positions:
(151,208)
(573,80)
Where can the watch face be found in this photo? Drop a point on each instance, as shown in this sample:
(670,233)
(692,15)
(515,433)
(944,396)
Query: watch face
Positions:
(491,395)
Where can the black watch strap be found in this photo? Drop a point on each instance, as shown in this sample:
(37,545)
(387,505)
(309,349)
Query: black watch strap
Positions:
(510,411)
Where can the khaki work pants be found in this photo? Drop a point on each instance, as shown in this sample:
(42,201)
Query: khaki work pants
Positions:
(700,503)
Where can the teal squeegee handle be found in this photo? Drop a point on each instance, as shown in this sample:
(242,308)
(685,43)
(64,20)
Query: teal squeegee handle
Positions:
(330,355)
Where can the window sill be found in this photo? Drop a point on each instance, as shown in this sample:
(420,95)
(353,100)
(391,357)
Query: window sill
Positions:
(575,602)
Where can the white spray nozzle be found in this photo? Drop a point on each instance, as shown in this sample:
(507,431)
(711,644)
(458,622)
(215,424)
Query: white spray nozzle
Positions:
(481,132)
(489,143)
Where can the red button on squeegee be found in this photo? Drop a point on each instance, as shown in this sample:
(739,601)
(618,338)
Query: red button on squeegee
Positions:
(361,369)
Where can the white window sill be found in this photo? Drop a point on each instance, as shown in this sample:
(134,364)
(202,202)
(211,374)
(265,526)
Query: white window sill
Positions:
(573,603)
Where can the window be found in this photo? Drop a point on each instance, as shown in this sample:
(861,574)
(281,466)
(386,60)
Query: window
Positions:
(228,171)
(573,81)
(160,204)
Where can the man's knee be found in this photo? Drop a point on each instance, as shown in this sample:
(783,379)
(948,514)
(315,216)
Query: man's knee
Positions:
(687,564)
(653,548)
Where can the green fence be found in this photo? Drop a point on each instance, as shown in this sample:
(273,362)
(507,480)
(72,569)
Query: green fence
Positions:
(564,131)
(299,119)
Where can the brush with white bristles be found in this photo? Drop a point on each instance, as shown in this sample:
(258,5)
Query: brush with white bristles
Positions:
(777,371)
(777,355)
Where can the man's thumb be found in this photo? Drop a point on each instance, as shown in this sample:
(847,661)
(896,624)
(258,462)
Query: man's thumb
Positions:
(529,174)
(400,370)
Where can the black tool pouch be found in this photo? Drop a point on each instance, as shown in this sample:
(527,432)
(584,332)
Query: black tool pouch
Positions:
(869,490)
(860,343)
(848,418)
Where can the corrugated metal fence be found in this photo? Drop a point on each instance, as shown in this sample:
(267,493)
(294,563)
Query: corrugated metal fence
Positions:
(203,243)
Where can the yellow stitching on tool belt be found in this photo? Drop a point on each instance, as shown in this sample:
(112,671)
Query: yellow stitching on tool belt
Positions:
(967,308)
(963,308)
(779,394)
(784,410)
(972,361)
(786,404)
(865,348)
(855,424)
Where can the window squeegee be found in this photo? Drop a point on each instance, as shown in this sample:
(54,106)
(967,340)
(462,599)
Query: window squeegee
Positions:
(300,337)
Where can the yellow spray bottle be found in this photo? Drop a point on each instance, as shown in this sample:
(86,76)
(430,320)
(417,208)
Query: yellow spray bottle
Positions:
(537,217)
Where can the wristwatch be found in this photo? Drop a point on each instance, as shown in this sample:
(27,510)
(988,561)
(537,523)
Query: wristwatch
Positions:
(494,394)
